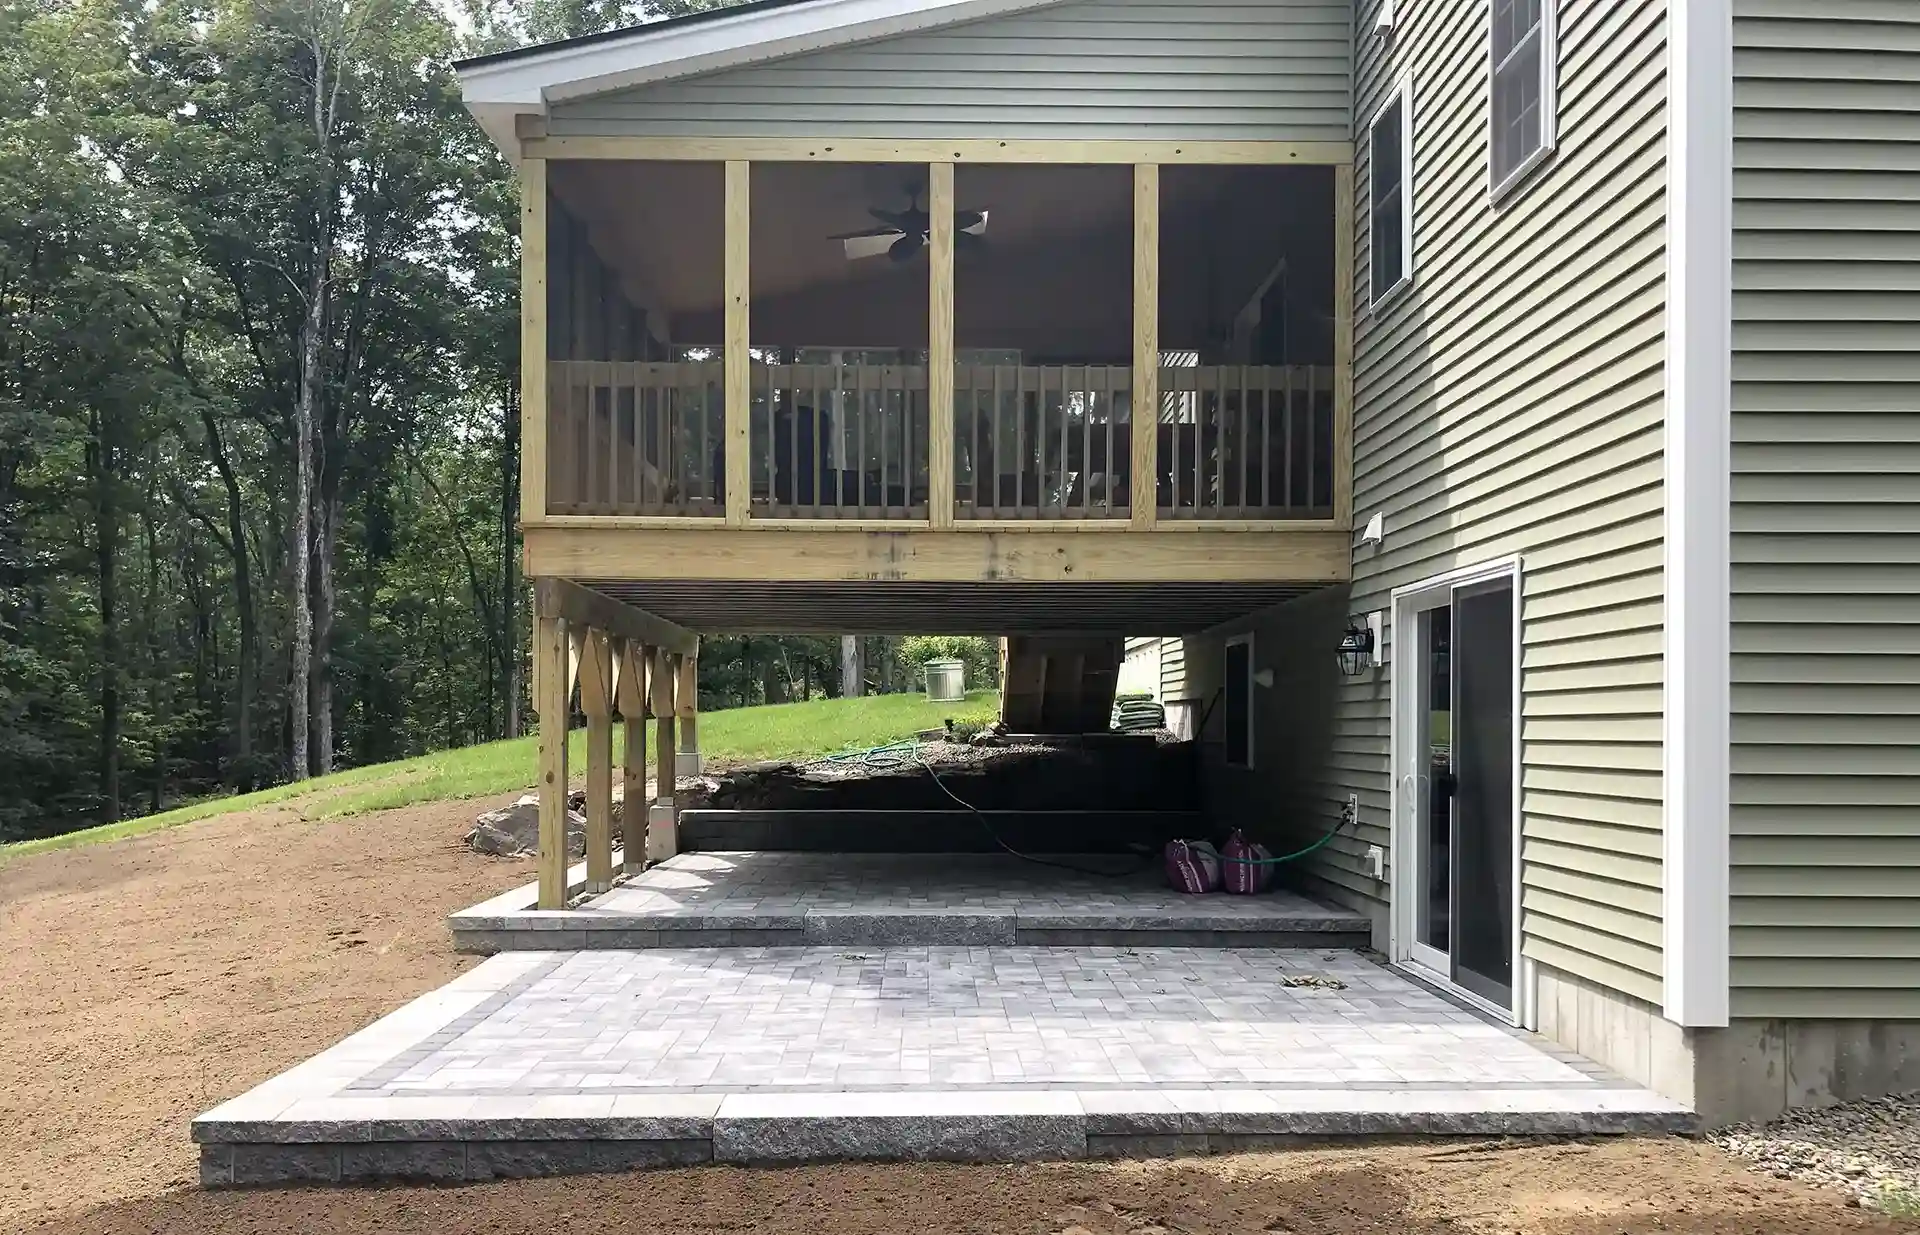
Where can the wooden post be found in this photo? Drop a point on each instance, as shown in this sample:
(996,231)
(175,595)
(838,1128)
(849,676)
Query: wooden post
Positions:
(596,700)
(687,699)
(940,345)
(1343,291)
(533,338)
(1146,342)
(551,703)
(662,834)
(634,806)
(736,371)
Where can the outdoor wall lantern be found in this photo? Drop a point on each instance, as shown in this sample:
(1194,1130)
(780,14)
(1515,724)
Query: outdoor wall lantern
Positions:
(1356,651)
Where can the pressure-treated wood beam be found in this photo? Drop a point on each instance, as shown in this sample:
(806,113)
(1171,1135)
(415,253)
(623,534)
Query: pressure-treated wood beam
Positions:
(596,700)
(551,703)
(587,608)
(934,150)
(1320,555)
(1146,343)
(940,344)
(630,693)
(533,337)
(687,704)
(1343,293)
(736,374)
(663,840)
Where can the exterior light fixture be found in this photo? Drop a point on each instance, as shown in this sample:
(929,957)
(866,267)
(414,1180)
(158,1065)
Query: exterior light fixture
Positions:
(1356,651)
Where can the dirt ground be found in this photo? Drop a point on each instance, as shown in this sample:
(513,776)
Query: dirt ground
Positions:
(144,981)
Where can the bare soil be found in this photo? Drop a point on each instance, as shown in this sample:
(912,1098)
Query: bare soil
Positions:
(144,981)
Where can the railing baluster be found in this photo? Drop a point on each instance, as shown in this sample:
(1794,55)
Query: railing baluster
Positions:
(1066,426)
(1246,442)
(1313,415)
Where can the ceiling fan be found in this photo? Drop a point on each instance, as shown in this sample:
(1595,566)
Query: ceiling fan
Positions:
(903,233)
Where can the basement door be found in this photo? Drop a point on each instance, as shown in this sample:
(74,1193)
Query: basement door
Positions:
(1456,826)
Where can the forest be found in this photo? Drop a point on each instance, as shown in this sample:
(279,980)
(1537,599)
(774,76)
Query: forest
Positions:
(258,402)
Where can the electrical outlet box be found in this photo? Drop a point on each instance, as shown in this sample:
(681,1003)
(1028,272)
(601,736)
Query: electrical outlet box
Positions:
(1376,862)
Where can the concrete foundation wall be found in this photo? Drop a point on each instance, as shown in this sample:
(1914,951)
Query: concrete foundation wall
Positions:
(1754,1069)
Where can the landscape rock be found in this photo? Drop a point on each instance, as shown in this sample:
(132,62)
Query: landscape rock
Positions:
(1868,1148)
(514,831)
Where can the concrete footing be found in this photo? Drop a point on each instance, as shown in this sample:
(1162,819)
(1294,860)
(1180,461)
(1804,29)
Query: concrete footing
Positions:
(1752,1069)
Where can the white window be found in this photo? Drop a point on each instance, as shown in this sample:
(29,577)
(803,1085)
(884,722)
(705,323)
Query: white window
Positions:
(1390,193)
(1520,100)
(1237,703)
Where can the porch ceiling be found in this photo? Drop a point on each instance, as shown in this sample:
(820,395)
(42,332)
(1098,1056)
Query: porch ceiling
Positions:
(886,607)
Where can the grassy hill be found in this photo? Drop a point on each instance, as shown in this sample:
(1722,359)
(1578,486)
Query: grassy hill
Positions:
(778,731)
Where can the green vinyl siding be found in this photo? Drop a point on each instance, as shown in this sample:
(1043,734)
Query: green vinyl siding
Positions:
(1826,509)
(1510,402)
(1220,70)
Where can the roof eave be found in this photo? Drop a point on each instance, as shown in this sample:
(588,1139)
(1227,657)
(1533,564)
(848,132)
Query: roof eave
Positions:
(498,90)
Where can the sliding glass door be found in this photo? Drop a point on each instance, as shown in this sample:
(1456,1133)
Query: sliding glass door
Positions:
(1454,751)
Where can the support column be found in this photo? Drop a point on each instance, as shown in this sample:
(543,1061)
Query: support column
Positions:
(687,697)
(1146,345)
(630,664)
(533,338)
(736,370)
(596,700)
(553,688)
(663,839)
(940,345)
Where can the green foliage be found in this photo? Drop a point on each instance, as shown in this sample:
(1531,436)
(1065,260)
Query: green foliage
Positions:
(781,731)
(191,193)
(980,655)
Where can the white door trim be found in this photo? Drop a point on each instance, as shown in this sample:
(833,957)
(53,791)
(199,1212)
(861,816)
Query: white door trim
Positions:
(1404,603)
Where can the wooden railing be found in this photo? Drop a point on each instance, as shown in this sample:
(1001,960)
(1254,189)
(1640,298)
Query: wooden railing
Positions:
(839,441)
(635,438)
(851,441)
(1051,442)
(1246,442)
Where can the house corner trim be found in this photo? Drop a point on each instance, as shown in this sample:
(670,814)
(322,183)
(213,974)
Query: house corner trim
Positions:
(1696,761)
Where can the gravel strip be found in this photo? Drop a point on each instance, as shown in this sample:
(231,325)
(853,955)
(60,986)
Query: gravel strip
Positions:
(1869,1149)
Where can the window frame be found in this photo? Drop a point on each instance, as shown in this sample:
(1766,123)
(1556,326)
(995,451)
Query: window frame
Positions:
(1402,93)
(1245,639)
(1500,191)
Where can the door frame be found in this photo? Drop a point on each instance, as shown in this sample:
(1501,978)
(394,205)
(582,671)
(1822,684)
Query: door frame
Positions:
(1403,799)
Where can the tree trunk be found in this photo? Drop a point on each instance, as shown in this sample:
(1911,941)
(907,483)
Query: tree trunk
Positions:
(853,669)
(326,97)
(248,660)
(772,686)
(300,673)
(106,534)
(324,603)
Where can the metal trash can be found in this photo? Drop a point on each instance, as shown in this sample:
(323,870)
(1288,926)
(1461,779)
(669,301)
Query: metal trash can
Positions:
(946,681)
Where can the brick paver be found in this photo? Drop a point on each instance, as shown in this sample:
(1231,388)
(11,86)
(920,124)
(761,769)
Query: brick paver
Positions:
(765,1019)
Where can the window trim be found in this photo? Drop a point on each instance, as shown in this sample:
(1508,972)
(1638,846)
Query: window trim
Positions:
(1227,746)
(1499,192)
(1402,93)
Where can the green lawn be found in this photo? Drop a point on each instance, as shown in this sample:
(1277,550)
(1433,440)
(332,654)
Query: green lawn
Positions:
(781,731)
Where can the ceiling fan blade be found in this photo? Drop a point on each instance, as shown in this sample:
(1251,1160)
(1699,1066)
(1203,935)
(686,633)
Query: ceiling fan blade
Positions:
(969,242)
(903,249)
(901,219)
(969,220)
(871,231)
(857,247)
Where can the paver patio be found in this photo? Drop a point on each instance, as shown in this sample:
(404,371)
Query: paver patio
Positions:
(782,897)
(547,1062)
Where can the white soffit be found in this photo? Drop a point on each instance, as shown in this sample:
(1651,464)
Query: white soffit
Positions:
(525,83)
